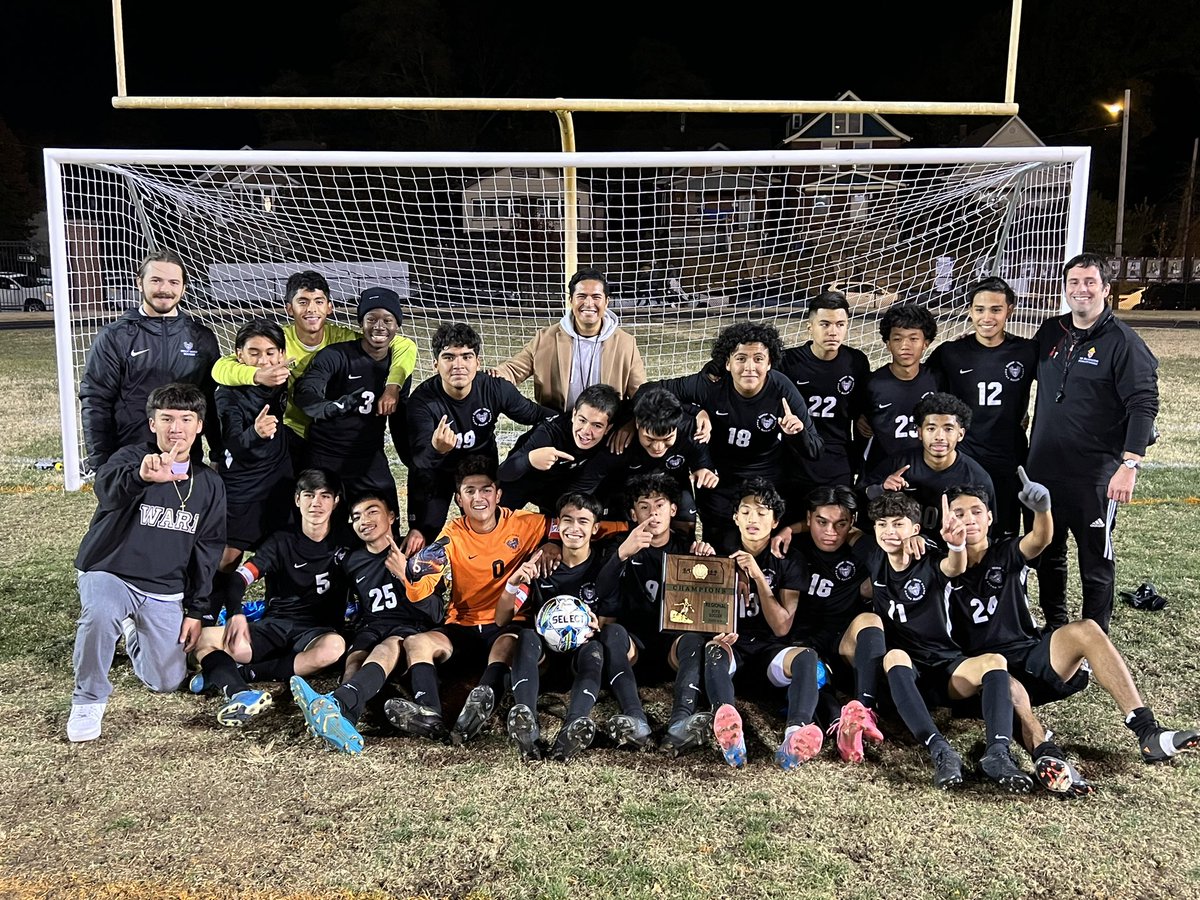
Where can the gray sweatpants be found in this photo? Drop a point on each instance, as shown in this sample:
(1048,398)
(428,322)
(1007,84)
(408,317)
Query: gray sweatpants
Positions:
(157,656)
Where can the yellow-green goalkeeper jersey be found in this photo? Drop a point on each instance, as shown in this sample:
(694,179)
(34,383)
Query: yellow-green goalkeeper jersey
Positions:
(228,371)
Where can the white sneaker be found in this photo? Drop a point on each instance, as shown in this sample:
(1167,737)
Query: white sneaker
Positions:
(85,722)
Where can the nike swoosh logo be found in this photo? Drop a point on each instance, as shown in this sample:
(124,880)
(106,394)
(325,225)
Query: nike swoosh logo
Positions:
(883,406)
(472,557)
(299,565)
(589,693)
(339,404)
(801,382)
(353,377)
(965,371)
(357,580)
(139,352)
(721,412)
(878,584)
(636,562)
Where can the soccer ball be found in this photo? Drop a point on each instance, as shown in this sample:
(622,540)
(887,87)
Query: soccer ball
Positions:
(564,622)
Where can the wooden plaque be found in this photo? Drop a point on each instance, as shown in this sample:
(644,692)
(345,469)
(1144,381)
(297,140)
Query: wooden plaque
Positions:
(699,593)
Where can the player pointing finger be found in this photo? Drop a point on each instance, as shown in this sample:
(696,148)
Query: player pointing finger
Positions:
(790,423)
(545,458)
(265,424)
(444,439)
(896,481)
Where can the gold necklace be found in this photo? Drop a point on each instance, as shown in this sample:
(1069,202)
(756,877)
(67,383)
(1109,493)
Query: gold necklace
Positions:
(182,499)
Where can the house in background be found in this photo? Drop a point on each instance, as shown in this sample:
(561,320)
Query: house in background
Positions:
(515,199)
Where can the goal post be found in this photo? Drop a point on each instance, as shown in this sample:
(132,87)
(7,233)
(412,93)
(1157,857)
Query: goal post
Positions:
(689,241)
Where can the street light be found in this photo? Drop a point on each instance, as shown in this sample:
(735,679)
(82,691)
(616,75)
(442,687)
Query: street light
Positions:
(1114,109)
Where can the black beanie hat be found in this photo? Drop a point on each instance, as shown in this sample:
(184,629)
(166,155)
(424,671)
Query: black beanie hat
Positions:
(379,298)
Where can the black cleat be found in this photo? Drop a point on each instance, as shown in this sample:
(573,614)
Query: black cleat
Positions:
(481,702)
(573,739)
(998,765)
(1058,776)
(416,721)
(1160,745)
(524,732)
(947,766)
(687,734)
(635,730)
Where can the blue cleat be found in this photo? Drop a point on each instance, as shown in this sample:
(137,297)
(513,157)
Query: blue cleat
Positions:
(196,683)
(324,717)
(727,727)
(242,707)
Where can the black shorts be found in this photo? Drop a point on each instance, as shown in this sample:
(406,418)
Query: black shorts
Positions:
(372,633)
(653,665)
(1031,666)
(271,637)
(825,640)
(429,496)
(933,679)
(247,523)
(753,658)
(476,640)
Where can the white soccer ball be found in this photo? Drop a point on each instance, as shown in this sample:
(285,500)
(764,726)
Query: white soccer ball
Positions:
(564,622)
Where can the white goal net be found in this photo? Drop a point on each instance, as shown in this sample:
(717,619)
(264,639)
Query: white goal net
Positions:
(688,241)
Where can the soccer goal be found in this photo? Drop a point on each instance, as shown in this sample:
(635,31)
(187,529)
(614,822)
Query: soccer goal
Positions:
(689,241)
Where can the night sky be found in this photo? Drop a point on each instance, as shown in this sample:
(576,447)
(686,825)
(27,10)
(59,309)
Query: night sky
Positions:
(60,74)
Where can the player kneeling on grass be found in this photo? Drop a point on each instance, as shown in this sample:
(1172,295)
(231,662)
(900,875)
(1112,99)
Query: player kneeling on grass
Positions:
(388,624)
(630,631)
(768,590)
(305,606)
(990,613)
(147,559)
(911,596)
(578,575)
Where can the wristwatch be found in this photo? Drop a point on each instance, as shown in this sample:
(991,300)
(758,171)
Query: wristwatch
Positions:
(1131,464)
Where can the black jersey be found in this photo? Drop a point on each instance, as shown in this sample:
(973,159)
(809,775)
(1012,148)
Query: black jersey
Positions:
(835,392)
(746,439)
(473,419)
(831,595)
(252,464)
(785,574)
(590,581)
(681,459)
(635,604)
(928,485)
(338,391)
(382,599)
(915,607)
(995,382)
(989,612)
(522,483)
(890,404)
(303,583)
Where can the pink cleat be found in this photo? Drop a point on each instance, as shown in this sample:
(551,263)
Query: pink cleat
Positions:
(855,722)
(727,728)
(799,747)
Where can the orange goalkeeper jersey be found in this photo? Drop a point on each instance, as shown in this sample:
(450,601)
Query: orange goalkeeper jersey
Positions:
(481,563)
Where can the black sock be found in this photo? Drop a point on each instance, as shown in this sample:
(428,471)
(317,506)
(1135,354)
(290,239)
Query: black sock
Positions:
(525,682)
(422,677)
(618,673)
(997,708)
(690,652)
(354,694)
(222,589)
(868,659)
(223,673)
(493,677)
(589,662)
(1141,722)
(1048,748)
(902,681)
(717,680)
(802,692)
(277,668)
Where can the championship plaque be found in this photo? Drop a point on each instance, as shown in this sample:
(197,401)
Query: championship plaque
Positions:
(699,593)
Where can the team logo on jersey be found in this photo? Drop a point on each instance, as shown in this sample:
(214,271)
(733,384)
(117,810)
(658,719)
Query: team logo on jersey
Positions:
(1014,371)
(845,570)
(588,593)
(481,416)
(914,589)
(845,384)
(673,462)
(188,349)
(766,422)
(512,543)
(769,578)
(995,576)
(1090,359)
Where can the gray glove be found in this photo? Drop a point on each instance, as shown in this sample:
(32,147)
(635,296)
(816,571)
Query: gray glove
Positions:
(1035,496)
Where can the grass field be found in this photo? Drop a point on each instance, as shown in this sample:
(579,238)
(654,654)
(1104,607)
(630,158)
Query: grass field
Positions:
(168,804)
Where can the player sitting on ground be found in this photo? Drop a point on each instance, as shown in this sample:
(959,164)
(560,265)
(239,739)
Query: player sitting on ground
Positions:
(564,454)
(756,413)
(990,614)
(147,561)
(451,416)
(577,575)
(992,371)
(911,597)
(476,554)
(936,464)
(893,390)
(630,629)
(768,590)
(257,469)
(305,607)
(307,302)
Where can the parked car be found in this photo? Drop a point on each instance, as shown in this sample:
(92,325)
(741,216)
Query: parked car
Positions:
(30,293)
(1170,296)
(864,294)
